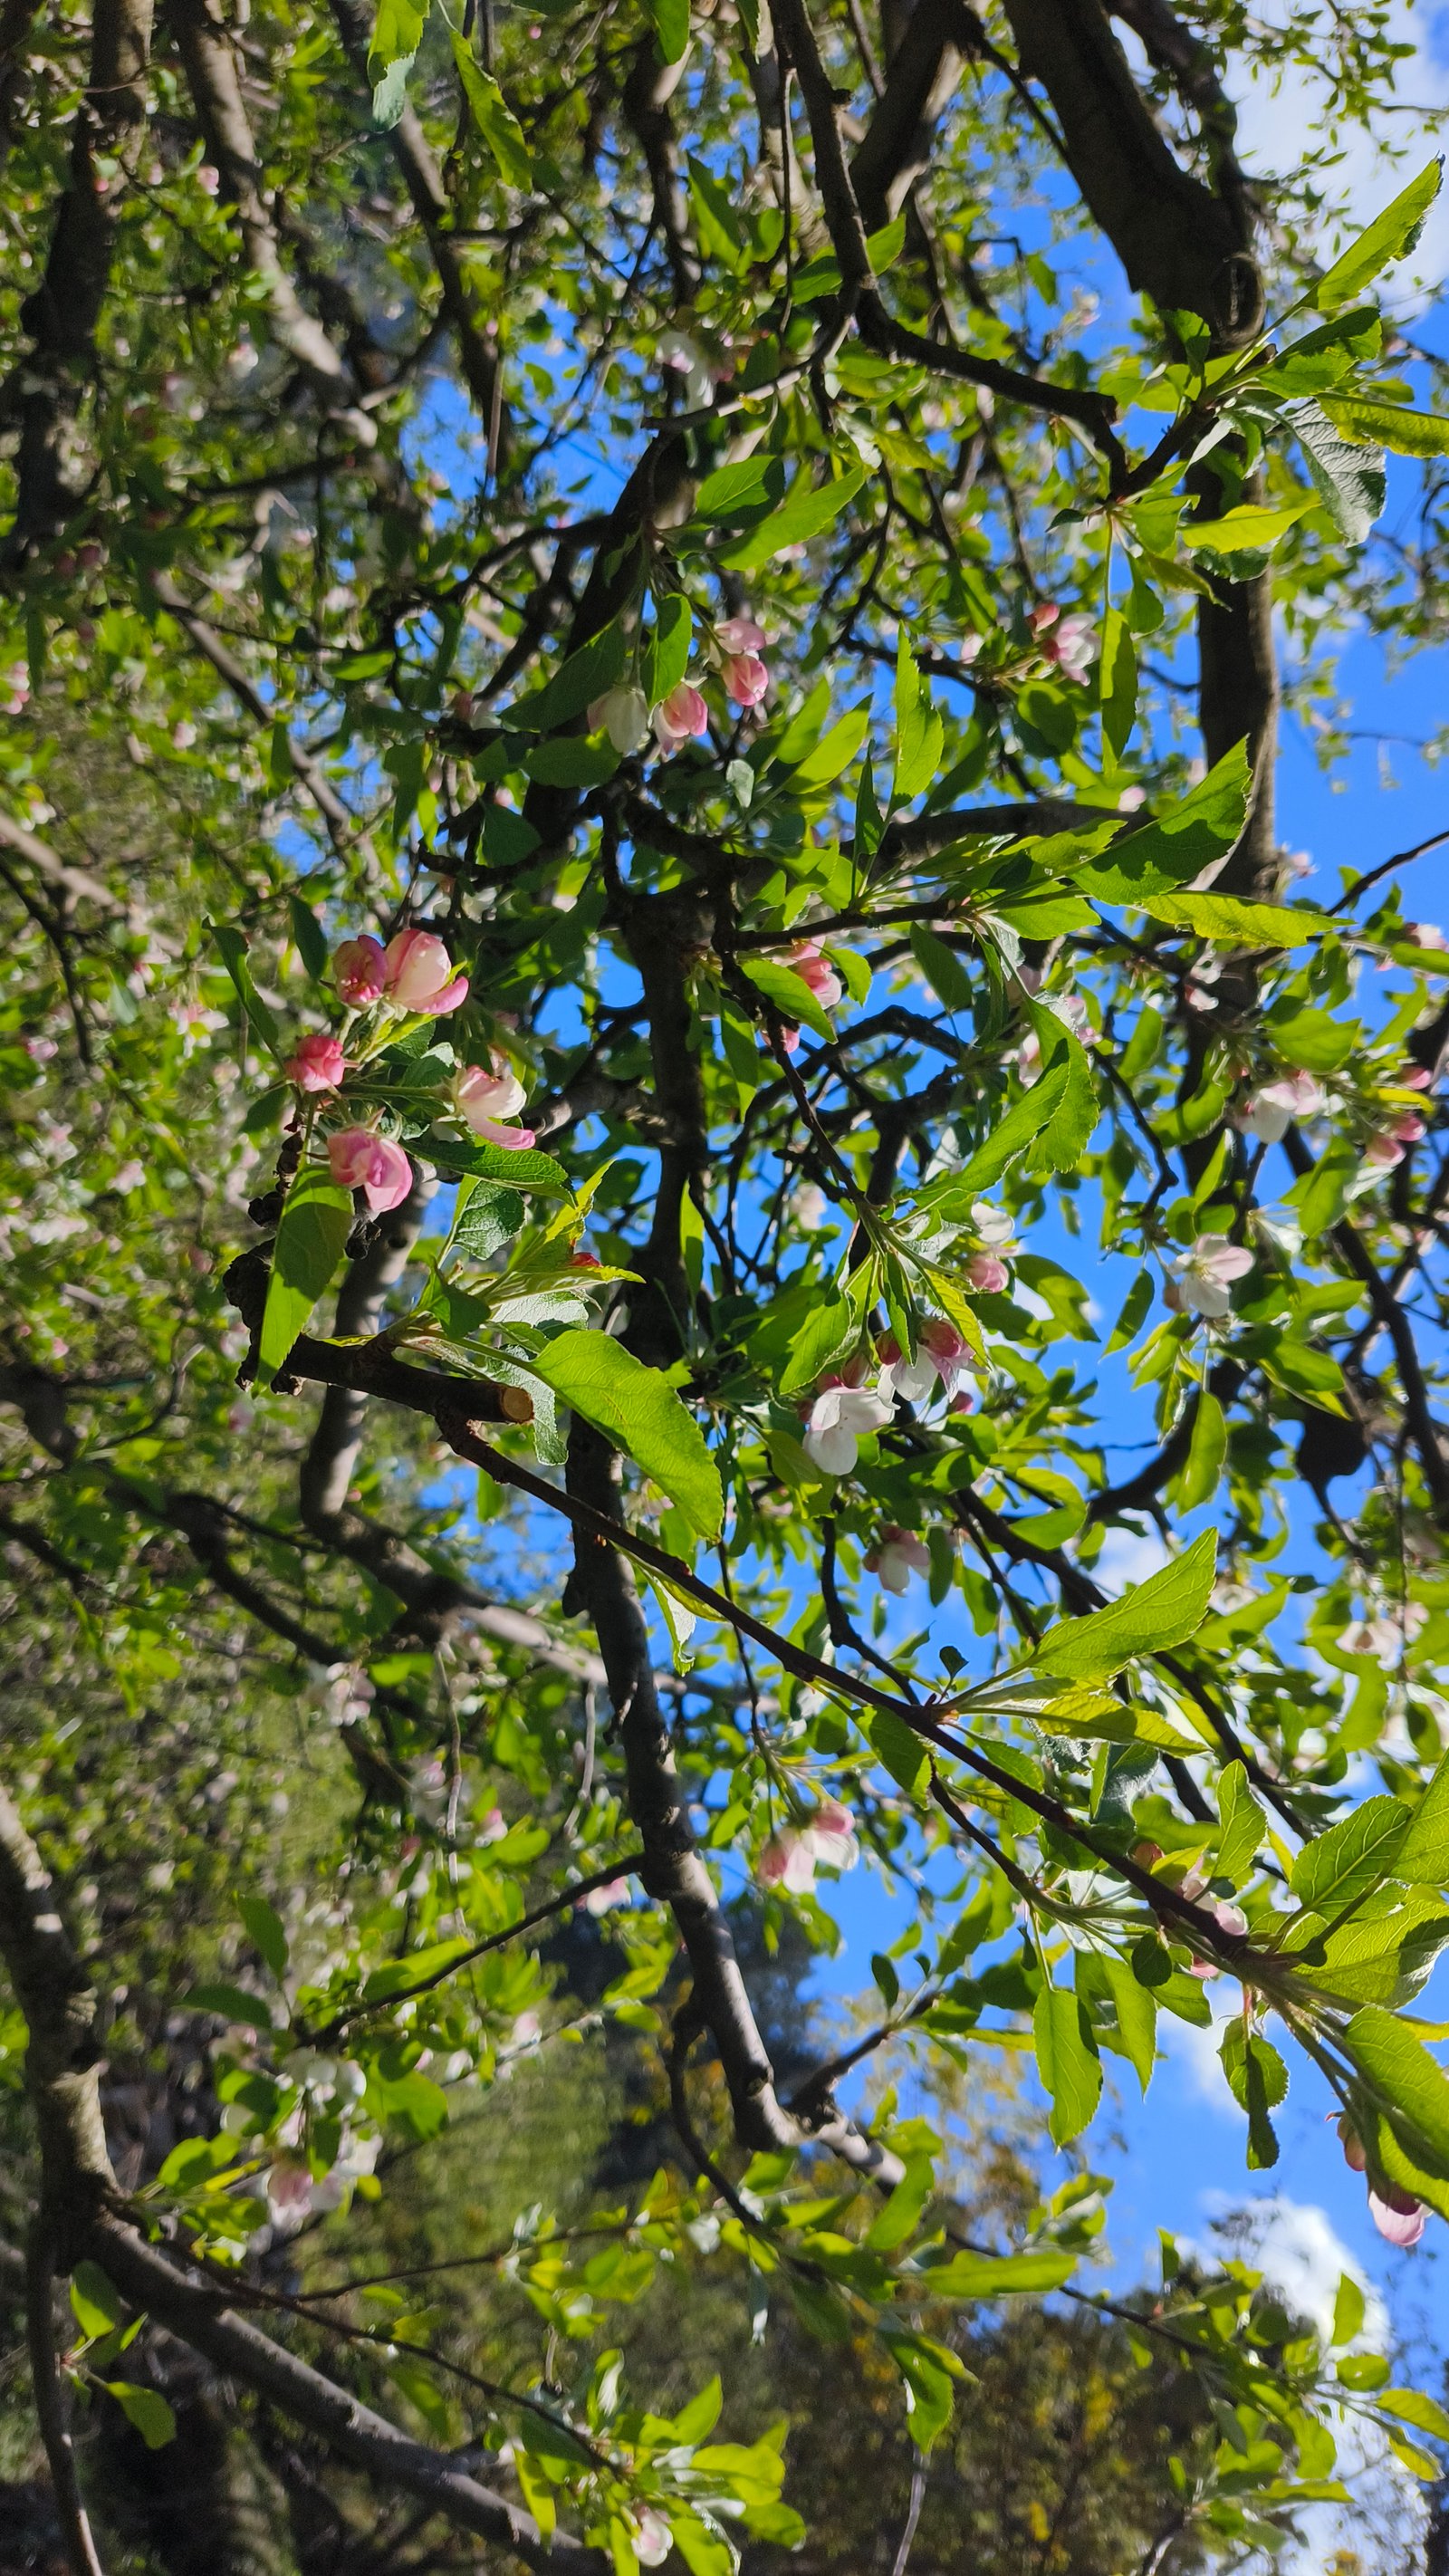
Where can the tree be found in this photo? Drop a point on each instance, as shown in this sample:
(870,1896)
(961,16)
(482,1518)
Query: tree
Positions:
(549,575)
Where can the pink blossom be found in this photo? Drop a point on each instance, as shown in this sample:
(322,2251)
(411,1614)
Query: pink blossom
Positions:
(487,1091)
(1354,2155)
(740,635)
(514,1140)
(1205,1274)
(1067,641)
(1396,2214)
(817,972)
(940,1351)
(988,1272)
(746,679)
(419,974)
(895,1557)
(40,1050)
(602,1900)
(493,1827)
(653,2539)
(680,715)
(1270,1111)
(837,1422)
(787,1861)
(1415,1077)
(364,1161)
(359,971)
(319,1063)
(791,1857)
(1425,934)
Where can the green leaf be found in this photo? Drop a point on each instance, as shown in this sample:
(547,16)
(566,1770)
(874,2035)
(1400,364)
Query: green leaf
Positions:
(1237,925)
(1199,1479)
(788,994)
(1422,1859)
(264,1928)
(1135,1308)
(583,677)
(746,488)
(834,751)
(1389,237)
(311,1240)
(524,1168)
(396,35)
(1404,2074)
(1117,683)
(397,1975)
(702,2550)
(1351,481)
(1381,424)
(147,2409)
(999,2276)
(901,2214)
(1311,1038)
(671,26)
(1349,2309)
(1258,2080)
(1414,2406)
(1327,353)
(807,509)
(493,117)
(568,760)
(829,1331)
(1067,2062)
(232,948)
(311,939)
(902,1752)
(95,2300)
(639,1410)
(927,2369)
(666,655)
(1136,2008)
(1154,1615)
(1245,530)
(918,729)
(1342,1865)
(485,1218)
(1063,1139)
(1242,1824)
(942,968)
(1023,1122)
(1177,844)
(232,2002)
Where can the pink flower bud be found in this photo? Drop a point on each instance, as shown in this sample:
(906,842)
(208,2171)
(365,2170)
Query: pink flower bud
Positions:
(740,635)
(481,1093)
(319,1063)
(807,962)
(515,1140)
(1353,2147)
(986,1271)
(419,974)
(746,679)
(364,1161)
(359,971)
(679,716)
(1396,2214)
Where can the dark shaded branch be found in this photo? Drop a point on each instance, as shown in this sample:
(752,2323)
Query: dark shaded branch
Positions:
(48,388)
(204,44)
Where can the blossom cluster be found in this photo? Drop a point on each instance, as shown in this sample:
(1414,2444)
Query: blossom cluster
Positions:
(682,714)
(411,978)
